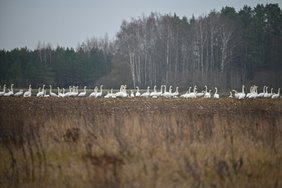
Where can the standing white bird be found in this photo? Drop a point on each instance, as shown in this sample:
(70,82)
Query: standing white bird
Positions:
(51,93)
(28,92)
(147,93)
(207,94)
(276,95)
(230,96)
(137,94)
(216,95)
(11,92)
(83,94)
(242,95)
(40,92)
(176,93)
(4,90)
(93,94)
(99,94)
(131,93)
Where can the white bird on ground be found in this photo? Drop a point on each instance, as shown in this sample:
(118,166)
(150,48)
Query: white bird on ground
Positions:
(40,92)
(4,90)
(28,92)
(122,92)
(263,92)
(242,95)
(230,96)
(19,93)
(154,93)
(99,94)
(83,93)
(216,95)
(11,92)
(147,93)
(268,95)
(176,93)
(131,93)
(276,95)
(207,94)
(137,94)
(51,93)
(93,94)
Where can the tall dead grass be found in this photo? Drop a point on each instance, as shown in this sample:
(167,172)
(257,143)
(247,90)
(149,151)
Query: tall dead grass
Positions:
(140,143)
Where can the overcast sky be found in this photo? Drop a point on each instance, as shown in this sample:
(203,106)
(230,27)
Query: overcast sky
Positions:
(70,22)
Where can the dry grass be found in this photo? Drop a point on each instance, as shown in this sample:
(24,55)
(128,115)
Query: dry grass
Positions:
(86,142)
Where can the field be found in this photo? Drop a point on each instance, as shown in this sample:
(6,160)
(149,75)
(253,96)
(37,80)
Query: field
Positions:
(88,142)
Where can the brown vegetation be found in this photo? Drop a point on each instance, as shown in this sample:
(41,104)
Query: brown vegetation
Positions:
(87,142)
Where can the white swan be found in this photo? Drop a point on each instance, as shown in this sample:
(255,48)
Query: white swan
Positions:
(83,93)
(166,94)
(242,95)
(200,94)
(193,95)
(268,95)
(216,95)
(99,94)
(40,92)
(93,94)
(254,93)
(28,92)
(131,94)
(230,96)
(51,93)
(137,94)
(276,95)
(207,94)
(11,92)
(4,90)
(176,93)
(122,92)
(154,93)
(147,93)
(45,94)
(263,92)
(160,92)
(19,93)
(73,92)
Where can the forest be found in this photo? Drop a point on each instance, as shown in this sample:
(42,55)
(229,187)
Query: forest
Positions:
(224,48)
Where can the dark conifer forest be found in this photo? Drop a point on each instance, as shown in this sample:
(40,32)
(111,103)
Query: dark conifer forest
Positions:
(224,48)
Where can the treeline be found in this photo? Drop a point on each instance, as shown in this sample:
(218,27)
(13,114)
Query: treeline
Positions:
(60,66)
(224,48)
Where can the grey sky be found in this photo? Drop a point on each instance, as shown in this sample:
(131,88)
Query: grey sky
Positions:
(70,22)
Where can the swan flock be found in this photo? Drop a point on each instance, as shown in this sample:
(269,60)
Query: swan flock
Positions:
(163,92)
